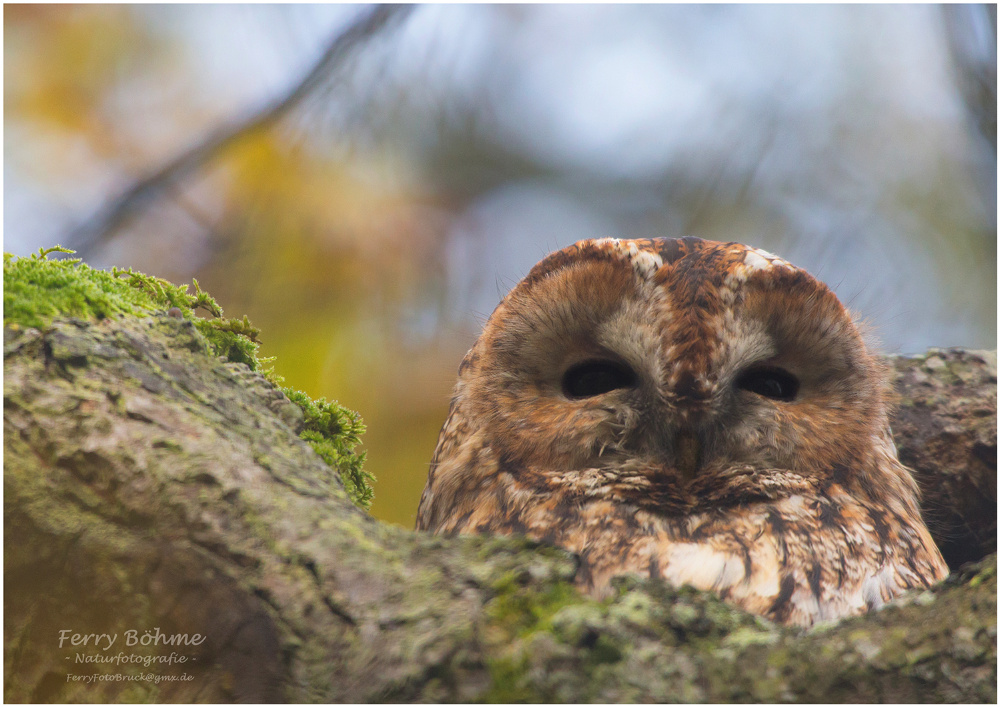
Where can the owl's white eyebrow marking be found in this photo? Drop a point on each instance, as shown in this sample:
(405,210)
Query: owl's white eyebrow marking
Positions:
(760,259)
(644,262)
(755,261)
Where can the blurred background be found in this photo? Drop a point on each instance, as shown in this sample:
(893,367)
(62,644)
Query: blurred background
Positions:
(366,182)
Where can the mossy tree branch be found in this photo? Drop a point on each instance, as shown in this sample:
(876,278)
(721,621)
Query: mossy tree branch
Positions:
(151,485)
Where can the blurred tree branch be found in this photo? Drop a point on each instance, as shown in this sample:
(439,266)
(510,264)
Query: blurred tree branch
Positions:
(100,227)
(972,41)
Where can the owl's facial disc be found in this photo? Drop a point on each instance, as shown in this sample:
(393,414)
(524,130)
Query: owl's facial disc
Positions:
(686,361)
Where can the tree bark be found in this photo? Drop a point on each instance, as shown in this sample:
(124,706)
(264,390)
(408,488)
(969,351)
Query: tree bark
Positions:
(150,488)
(945,427)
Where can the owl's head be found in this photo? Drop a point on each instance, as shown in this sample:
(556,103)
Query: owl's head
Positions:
(689,371)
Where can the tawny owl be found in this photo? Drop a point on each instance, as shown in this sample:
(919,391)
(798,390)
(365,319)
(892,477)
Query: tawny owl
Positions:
(701,412)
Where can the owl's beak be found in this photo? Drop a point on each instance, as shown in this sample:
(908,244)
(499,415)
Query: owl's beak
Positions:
(687,447)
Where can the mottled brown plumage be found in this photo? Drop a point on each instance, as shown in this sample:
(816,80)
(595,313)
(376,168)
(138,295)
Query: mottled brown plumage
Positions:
(696,411)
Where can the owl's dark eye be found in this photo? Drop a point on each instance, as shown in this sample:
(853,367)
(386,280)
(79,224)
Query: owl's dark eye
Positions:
(590,378)
(773,383)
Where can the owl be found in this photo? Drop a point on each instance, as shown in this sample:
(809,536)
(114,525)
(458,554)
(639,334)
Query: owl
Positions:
(705,413)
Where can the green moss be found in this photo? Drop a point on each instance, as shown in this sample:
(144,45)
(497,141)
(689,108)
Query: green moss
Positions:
(521,609)
(333,432)
(37,289)
(745,637)
(509,685)
(519,613)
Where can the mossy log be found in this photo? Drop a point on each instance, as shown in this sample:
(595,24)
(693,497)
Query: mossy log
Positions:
(153,489)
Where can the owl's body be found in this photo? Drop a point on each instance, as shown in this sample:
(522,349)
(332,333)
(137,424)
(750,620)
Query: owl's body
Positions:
(696,411)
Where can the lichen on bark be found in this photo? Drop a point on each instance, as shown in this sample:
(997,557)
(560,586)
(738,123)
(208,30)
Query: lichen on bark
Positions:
(148,484)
